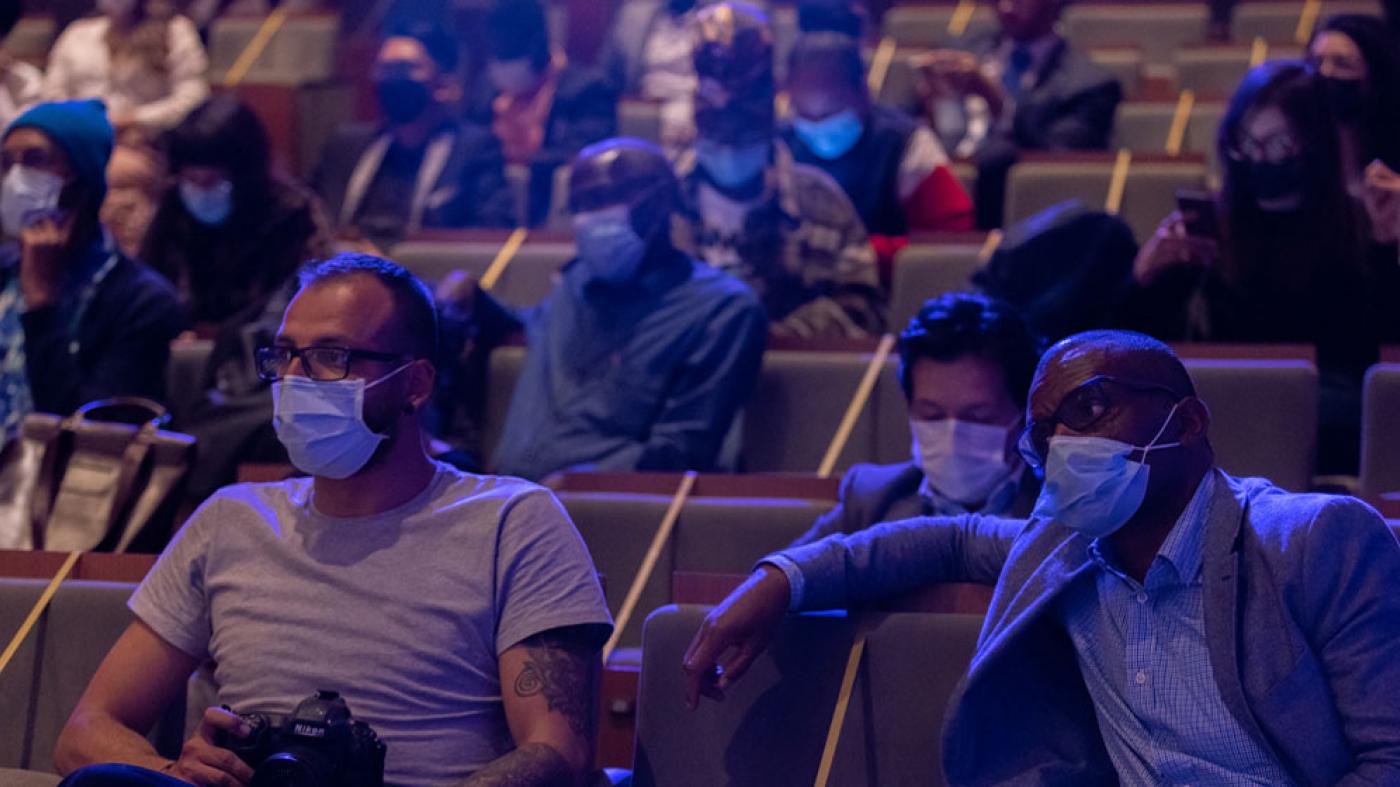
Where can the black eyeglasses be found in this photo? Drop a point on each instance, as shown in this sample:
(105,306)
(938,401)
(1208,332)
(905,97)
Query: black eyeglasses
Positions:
(1081,408)
(323,364)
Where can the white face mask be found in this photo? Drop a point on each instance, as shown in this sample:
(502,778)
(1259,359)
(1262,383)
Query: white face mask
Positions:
(209,206)
(1090,484)
(608,247)
(322,424)
(962,460)
(27,193)
(732,166)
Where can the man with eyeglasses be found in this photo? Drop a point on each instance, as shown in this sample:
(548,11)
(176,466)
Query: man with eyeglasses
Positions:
(459,615)
(1156,621)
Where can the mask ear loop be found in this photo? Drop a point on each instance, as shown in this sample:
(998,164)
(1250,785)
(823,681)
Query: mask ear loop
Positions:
(1152,444)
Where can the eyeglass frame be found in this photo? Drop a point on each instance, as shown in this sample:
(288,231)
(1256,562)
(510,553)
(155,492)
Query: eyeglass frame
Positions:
(1026,443)
(299,353)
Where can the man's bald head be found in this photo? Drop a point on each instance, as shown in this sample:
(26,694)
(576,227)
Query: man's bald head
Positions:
(1127,354)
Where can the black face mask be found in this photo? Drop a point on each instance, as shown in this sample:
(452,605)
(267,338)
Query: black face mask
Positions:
(1275,181)
(1346,97)
(403,100)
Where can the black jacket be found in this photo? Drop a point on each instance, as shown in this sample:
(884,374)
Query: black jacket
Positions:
(471,191)
(120,346)
(1070,106)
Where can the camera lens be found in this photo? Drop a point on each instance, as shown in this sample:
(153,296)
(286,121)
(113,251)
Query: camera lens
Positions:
(294,767)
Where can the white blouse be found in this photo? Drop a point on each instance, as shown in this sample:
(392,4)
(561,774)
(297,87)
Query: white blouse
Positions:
(80,66)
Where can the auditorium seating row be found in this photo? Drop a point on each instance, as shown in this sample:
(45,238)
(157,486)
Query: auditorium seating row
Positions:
(772,724)
(1264,412)
(1159,29)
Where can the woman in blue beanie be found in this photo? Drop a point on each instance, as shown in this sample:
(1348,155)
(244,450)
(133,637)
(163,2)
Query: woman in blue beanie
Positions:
(78,320)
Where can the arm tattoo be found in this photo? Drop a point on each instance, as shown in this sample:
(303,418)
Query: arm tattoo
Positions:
(563,669)
(531,765)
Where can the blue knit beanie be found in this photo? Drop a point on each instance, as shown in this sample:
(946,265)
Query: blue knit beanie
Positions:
(82,130)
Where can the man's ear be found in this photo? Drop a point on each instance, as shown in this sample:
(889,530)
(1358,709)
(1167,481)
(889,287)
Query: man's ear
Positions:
(422,378)
(1194,417)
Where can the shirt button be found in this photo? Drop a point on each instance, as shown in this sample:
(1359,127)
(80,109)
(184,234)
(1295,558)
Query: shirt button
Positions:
(1142,598)
(1141,678)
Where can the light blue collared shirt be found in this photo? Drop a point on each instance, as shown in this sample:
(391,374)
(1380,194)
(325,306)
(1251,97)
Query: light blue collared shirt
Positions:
(1142,652)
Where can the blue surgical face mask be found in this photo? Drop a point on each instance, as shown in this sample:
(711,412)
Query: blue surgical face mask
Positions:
(831,137)
(732,166)
(26,194)
(1090,484)
(322,424)
(608,246)
(962,460)
(209,206)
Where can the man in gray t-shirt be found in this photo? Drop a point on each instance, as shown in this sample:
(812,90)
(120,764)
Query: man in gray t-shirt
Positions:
(459,615)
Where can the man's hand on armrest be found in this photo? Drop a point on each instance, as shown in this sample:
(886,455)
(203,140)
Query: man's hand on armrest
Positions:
(735,633)
(549,685)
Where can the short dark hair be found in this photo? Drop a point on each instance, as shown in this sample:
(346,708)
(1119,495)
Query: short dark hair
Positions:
(413,303)
(960,323)
(440,45)
(10,12)
(826,46)
(518,29)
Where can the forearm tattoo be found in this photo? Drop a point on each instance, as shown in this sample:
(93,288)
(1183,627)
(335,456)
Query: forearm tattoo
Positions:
(563,669)
(531,765)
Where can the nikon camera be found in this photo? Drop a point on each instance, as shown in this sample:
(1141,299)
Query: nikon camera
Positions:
(318,745)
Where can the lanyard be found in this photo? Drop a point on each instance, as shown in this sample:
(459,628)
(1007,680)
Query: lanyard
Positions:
(85,299)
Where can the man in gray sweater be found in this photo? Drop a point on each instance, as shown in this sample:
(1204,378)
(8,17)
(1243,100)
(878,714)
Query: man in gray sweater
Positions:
(1155,620)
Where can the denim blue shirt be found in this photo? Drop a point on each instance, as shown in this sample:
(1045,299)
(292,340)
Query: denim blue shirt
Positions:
(643,376)
(1142,651)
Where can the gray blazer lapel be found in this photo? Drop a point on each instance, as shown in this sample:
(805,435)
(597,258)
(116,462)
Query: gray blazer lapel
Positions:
(1220,578)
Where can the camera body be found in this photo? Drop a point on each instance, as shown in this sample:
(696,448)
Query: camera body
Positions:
(317,745)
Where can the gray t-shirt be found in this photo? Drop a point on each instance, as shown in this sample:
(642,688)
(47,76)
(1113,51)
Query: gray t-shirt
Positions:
(404,613)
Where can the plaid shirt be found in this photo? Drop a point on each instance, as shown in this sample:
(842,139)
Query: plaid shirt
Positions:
(1142,651)
(799,245)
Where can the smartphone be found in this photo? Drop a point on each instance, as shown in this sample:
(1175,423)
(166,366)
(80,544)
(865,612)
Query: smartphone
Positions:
(1198,213)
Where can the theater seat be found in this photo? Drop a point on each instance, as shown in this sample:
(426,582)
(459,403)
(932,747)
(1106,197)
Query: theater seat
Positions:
(1278,22)
(1124,63)
(525,282)
(927,25)
(501,377)
(618,528)
(1263,417)
(927,270)
(1149,193)
(1215,71)
(1143,125)
(1159,28)
(1380,431)
(794,412)
(302,52)
(728,535)
(712,535)
(42,684)
(772,725)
